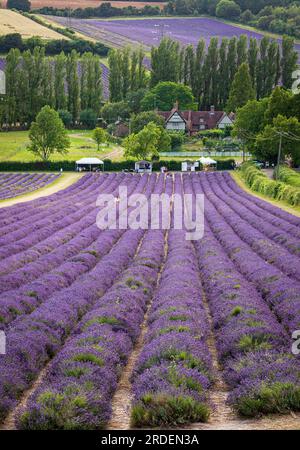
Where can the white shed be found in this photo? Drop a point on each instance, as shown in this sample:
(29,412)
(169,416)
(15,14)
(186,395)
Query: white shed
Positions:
(89,164)
(189,166)
(143,167)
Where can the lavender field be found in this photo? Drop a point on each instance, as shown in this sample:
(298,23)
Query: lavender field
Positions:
(121,32)
(176,319)
(14,184)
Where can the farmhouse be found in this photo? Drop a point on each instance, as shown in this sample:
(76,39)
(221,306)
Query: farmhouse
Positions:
(192,122)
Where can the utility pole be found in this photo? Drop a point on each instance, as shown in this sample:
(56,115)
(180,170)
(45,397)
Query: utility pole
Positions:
(279,156)
(3,98)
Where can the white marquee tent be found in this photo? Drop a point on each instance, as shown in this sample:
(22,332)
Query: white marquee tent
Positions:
(89,164)
(207,161)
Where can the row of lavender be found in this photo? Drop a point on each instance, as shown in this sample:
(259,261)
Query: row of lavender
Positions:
(78,388)
(173,374)
(255,306)
(43,256)
(149,32)
(253,298)
(42,322)
(14,184)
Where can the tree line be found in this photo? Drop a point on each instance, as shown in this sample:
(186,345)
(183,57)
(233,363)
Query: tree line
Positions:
(52,46)
(69,83)
(127,72)
(209,72)
(260,124)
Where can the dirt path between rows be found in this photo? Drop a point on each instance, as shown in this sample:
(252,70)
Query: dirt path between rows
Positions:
(9,423)
(222,416)
(65,180)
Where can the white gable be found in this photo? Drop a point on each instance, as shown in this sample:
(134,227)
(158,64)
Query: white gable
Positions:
(176,118)
(175,122)
(225,122)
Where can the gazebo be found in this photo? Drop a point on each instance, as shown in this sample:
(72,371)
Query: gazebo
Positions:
(208,163)
(89,164)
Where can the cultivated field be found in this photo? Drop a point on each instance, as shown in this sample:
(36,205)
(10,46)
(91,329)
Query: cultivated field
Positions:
(15,184)
(120,32)
(73,4)
(110,327)
(11,22)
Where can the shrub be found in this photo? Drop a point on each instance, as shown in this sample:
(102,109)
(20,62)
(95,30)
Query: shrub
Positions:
(278,190)
(88,118)
(158,410)
(288,176)
(177,140)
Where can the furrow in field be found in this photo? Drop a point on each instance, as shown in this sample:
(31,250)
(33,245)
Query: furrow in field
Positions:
(40,335)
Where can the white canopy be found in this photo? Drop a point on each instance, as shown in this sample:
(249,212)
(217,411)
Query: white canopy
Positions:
(90,161)
(207,161)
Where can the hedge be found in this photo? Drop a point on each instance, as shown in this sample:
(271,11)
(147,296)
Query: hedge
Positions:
(288,176)
(278,190)
(109,166)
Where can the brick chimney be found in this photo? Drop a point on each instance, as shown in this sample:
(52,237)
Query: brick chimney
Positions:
(212,110)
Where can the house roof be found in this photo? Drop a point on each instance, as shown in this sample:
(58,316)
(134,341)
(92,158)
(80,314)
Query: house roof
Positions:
(210,119)
(90,161)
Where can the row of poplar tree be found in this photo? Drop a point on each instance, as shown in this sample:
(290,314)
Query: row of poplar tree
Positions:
(127,72)
(208,70)
(68,83)
(73,83)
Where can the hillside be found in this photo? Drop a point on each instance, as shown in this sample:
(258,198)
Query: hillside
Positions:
(12,22)
(73,4)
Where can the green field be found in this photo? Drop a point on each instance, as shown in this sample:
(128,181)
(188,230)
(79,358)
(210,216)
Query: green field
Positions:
(13,147)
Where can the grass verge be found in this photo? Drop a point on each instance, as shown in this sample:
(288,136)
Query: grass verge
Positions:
(295,210)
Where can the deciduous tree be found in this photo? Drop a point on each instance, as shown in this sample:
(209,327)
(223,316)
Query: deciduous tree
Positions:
(48,135)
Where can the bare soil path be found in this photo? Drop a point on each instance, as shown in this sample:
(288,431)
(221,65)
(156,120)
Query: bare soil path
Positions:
(9,423)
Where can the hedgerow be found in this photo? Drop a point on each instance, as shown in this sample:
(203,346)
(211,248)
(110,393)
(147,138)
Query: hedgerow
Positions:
(288,176)
(278,190)
(109,166)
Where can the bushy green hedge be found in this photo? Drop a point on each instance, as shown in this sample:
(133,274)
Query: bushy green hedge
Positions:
(109,166)
(278,190)
(288,176)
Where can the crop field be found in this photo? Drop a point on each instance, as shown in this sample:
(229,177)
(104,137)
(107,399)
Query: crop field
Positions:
(73,4)
(190,328)
(13,185)
(120,32)
(12,22)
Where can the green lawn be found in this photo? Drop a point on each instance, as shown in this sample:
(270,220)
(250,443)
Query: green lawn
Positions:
(13,147)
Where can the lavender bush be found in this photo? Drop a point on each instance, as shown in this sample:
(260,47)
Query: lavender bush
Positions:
(14,184)
(75,297)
